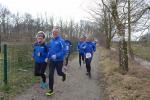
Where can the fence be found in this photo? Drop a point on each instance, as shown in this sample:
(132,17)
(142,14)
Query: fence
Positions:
(16,70)
(16,67)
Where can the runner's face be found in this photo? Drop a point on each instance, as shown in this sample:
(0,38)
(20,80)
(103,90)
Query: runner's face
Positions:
(55,34)
(40,39)
(81,39)
(88,39)
(84,38)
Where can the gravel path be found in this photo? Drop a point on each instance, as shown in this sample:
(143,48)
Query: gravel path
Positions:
(77,86)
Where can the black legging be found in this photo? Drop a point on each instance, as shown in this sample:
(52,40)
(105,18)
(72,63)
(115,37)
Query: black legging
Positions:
(67,58)
(58,65)
(40,70)
(81,56)
(88,64)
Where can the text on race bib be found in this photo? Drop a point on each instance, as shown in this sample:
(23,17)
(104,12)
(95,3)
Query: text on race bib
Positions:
(88,55)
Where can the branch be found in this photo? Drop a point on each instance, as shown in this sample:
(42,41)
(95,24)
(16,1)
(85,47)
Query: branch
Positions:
(113,34)
(124,7)
(141,14)
(106,6)
(142,33)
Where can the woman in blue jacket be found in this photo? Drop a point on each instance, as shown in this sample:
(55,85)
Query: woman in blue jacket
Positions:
(89,48)
(56,56)
(40,51)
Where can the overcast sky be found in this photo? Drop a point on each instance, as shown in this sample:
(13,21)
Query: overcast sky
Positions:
(66,9)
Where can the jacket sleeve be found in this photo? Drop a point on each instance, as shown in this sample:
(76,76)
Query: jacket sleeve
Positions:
(83,46)
(62,50)
(78,44)
(94,46)
(48,52)
(70,43)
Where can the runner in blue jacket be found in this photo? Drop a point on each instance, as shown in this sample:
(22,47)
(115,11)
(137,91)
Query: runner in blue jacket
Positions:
(80,49)
(68,46)
(56,49)
(56,56)
(39,55)
(89,49)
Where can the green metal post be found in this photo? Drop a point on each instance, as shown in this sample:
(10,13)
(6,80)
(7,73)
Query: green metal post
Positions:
(5,64)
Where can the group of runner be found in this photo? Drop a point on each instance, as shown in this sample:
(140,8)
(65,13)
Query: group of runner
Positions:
(57,52)
(86,48)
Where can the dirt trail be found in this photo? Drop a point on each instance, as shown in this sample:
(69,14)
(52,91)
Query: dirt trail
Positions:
(77,86)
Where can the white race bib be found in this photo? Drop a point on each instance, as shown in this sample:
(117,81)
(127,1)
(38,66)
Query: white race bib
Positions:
(67,47)
(39,54)
(88,55)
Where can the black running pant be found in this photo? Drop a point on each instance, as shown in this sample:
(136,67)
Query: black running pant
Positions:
(67,58)
(40,70)
(88,64)
(81,57)
(52,66)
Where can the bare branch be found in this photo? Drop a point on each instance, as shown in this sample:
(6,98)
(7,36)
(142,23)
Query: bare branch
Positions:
(141,14)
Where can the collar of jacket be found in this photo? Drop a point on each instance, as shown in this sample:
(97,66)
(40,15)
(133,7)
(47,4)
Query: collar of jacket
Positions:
(39,43)
(88,42)
(56,38)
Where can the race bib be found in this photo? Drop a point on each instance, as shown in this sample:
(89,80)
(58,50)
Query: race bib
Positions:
(39,54)
(67,47)
(88,55)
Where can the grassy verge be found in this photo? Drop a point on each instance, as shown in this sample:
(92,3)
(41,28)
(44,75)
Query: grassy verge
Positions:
(17,82)
(20,71)
(1,61)
(134,85)
(140,50)
(17,85)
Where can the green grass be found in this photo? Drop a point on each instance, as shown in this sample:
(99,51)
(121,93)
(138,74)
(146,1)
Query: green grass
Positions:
(20,70)
(142,51)
(134,85)
(1,62)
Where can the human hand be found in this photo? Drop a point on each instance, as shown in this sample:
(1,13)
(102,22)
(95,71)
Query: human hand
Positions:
(53,56)
(46,60)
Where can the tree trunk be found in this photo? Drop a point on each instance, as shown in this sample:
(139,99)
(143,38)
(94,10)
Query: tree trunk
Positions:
(129,32)
(123,55)
(107,44)
(107,29)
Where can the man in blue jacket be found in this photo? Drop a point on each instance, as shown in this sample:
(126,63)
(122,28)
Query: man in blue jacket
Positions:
(39,55)
(80,49)
(68,46)
(89,48)
(56,56)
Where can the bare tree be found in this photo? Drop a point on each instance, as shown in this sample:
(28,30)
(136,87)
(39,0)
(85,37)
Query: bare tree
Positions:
(17,26)
(106,25)
(4,14)
(135,10)
(123,57)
